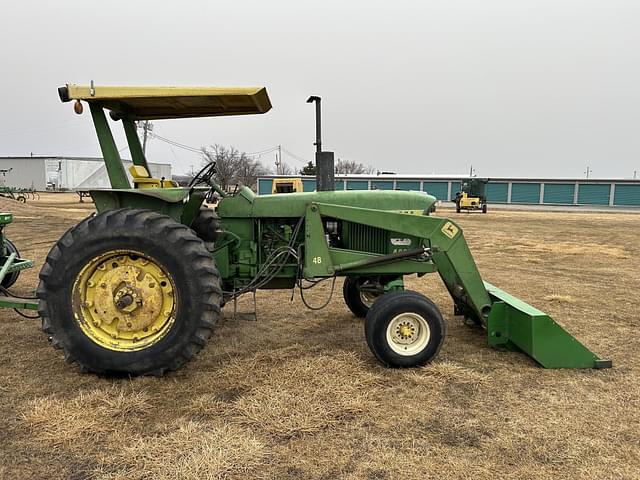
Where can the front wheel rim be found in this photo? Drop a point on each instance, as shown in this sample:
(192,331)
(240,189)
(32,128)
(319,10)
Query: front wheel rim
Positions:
(124,301)
(408,334)
(368,298)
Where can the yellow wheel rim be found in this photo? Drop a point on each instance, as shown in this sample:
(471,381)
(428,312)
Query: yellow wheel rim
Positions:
(124,300)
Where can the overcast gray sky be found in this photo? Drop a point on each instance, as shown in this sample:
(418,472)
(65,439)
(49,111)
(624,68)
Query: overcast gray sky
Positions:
(531,88)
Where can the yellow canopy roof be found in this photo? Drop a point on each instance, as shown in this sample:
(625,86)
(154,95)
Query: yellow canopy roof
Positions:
(153,103)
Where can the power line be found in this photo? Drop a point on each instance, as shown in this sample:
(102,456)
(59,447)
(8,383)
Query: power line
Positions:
(262,152)
(294,156)
(248,154)
(176,144)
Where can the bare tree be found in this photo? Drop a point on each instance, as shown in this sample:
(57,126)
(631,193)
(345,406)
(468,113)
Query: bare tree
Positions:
(286,169)
(249,170)
(232,166)
(227,163)
(349,166)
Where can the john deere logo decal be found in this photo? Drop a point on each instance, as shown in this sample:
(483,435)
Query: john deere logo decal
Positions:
(450,230)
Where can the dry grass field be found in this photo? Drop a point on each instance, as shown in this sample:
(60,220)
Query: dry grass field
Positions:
(297,394)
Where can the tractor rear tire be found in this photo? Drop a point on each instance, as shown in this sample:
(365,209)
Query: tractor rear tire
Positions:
(207,225)
(404,329)
(358,302)
(10,278)
(130,292)
(457,207)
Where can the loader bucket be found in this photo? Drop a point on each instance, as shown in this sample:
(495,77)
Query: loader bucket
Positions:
(516,325)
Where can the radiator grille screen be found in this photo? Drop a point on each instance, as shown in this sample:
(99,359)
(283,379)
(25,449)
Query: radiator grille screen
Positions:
(364,238)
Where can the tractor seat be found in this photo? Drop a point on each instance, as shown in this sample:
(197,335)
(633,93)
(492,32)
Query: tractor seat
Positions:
(142,179)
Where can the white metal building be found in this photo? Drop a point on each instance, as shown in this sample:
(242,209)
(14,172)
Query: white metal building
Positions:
(64,173)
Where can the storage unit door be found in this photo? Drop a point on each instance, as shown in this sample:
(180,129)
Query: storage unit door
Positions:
(308,185)
(497,192)
(382,185)
(357,185)
(265,186)
(593,193)
(437,189)
(525,193)
(405,185)
(627,195)
(455,188)
(559,193)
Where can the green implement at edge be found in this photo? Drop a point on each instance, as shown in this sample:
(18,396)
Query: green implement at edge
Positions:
(516,325)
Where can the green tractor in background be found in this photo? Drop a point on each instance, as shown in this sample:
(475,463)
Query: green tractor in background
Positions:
(138,287)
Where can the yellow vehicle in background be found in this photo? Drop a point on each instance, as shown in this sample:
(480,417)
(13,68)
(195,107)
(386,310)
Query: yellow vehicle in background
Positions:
(287,185)
(472,195)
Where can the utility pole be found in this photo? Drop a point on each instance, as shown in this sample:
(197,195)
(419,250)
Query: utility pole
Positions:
(635,174)
(147,127)
(588,170)
(279,168)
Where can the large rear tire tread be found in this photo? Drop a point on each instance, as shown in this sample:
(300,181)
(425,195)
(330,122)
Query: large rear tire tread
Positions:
(12,277)
(207,225)
(183,255)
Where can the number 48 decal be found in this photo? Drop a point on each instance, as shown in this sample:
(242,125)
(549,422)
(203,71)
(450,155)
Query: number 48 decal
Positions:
(317,260)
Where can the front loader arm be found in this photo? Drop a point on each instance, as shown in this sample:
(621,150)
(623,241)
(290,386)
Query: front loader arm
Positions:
(442,237)
(510,323)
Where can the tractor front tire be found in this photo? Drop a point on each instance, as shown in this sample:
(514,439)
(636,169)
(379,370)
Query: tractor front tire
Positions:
(207,225)
(404,329)
(129,292)
(12,277)
(358,301)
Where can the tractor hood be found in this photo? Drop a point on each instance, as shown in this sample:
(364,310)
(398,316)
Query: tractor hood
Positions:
(245,203)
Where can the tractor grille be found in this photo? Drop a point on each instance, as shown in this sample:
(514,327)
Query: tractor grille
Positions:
(364,238)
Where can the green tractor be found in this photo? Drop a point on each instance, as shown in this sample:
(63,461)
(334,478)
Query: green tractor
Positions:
(138,287)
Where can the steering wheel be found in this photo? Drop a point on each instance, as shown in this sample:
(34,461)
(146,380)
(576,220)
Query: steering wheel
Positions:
(205,175)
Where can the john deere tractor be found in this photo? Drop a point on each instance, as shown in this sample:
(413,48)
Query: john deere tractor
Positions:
(138,287)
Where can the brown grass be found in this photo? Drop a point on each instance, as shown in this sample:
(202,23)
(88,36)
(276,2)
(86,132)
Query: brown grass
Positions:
(90,415)
(297,394)
(186,450)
